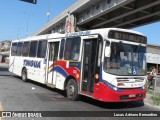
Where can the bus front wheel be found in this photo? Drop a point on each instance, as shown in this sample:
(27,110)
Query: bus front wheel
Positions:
(24,75)
(72,90)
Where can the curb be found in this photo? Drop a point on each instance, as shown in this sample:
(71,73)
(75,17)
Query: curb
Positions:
(4,64)
(148,104)
(148,101)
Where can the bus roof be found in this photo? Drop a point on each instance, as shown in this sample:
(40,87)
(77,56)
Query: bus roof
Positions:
(101,31)
(41,37)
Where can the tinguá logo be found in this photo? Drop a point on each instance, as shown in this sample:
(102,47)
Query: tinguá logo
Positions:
(31,63)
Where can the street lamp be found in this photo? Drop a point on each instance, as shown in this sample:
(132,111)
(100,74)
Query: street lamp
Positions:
(49,11)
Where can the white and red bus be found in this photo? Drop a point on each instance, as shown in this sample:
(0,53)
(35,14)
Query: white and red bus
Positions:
(105,64)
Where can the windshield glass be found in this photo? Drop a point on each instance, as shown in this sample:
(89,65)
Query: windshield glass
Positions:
(126,59)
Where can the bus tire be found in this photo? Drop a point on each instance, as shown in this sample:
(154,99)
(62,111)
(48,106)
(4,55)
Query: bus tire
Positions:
(24,75)
(141,102)
(72,90)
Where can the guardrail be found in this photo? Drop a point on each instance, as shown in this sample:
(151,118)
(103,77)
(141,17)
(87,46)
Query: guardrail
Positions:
(157,78)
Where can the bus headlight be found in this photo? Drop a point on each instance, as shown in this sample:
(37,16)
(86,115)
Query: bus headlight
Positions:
(115,88)
(142,88)
(112,86)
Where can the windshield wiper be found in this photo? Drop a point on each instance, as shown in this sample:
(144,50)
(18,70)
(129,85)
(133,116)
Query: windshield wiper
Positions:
(137,50)
(121,43)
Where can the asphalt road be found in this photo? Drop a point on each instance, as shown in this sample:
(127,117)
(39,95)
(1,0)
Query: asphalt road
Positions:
(16,95)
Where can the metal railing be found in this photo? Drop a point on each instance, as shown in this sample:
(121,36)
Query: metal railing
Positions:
(155,88)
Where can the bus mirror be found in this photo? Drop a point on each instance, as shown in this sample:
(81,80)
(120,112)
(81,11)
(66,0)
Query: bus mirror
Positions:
(107,51)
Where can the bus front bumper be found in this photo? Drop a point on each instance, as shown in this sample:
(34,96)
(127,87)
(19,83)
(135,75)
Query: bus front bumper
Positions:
(106,94)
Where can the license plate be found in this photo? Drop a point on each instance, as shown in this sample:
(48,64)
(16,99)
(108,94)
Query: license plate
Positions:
(132,95)
(137,85)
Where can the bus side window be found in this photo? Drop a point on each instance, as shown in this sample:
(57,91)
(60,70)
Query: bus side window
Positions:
(99,53)
(33,49)
(54,49)
(19,49)
(72,48)
(62,49)
(13,49)
(42,47)
(25,50)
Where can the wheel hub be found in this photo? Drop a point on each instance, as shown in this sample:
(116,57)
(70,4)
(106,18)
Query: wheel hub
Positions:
(71,89)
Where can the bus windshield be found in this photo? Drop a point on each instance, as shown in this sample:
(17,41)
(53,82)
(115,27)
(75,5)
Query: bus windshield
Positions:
(126,59)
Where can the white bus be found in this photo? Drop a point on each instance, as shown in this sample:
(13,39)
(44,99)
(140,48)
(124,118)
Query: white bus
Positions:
(105,64)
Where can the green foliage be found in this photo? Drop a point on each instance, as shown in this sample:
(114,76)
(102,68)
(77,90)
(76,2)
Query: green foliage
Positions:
(3,50)
(156,100)
(150,69)
(154,97)
(149,91)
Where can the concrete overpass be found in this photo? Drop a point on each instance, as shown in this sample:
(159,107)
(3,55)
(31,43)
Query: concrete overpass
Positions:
(93,14)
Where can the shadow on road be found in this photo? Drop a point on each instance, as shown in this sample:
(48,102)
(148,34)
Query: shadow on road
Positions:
(3,69)
(4,72)
(104,105)
(112,105)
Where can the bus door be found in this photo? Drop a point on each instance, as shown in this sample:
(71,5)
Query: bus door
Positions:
(89,65)
(52,58)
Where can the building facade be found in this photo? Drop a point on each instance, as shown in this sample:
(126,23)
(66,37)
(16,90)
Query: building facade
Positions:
(153,57)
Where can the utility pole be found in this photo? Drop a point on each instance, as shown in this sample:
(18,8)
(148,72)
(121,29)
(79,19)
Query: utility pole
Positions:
(18,29)
(27,24)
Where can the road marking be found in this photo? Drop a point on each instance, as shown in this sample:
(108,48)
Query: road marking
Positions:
(1,109)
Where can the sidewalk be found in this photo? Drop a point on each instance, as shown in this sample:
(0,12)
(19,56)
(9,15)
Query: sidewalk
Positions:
(152,99)
(4,64)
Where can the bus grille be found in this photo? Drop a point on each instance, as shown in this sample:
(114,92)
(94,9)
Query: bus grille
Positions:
(133,79)
(127,97)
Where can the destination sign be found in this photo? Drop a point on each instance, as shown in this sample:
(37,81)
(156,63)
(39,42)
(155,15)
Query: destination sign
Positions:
(82,33)
(127,36)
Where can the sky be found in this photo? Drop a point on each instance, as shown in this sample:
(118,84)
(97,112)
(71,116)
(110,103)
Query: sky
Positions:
(15,15)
